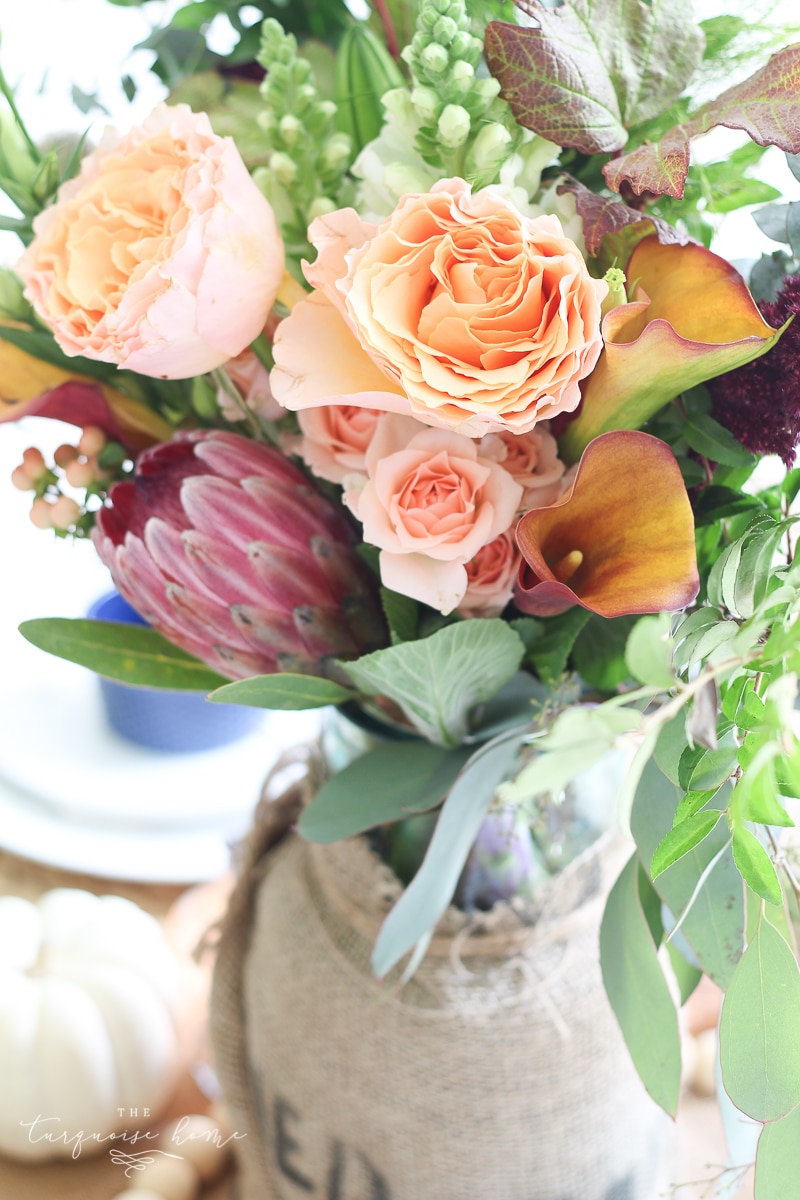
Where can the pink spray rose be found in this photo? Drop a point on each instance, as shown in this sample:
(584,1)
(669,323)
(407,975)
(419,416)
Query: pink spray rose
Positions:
(161,256)
(532,458)
(430,502)
(491,576)
(458,309)
(335,439)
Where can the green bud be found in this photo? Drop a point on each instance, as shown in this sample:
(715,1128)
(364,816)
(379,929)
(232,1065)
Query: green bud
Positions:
(465,46)
(445,30)
(426,102)
(283,168)
(461,76)
(16,160)
(290,129)
(490,148)
(45,181)
(487,88)
(365,71)
(615,278)
(435,59)
(336,152)
(305,96)
(453,126)
(320,207)
(12,302)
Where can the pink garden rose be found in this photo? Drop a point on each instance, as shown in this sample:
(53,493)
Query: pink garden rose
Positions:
(491,576)
(161,256)
(532,458)
(458,310)
(335,439)
(430,502)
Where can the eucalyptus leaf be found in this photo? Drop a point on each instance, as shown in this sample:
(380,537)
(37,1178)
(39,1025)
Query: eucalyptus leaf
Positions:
(778,1156)
(388,783)
(648,651)
(638,991)
(283,691)
(432,888)
(714,923)
(759,1031)
(437,681)
(549,646)
(131,654)
(681,839)
(756,867)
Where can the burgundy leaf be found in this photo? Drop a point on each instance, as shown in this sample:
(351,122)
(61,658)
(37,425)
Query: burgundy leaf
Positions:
(605,217)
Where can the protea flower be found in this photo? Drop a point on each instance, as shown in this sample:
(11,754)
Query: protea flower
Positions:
(228,550)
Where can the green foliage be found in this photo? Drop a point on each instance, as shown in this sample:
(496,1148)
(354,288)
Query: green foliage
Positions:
(390,782)
(638,991)
(128,653)
(437,681)
(283,691)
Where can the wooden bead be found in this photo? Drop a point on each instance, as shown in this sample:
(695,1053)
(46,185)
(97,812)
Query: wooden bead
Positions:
(170,1178)
(201,1141)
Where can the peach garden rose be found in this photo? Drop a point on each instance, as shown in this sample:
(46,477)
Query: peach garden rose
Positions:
(458,310)
(161,256)
(430,501)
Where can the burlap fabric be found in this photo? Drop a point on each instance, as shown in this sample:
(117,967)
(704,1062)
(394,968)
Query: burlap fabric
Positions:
(496,1073)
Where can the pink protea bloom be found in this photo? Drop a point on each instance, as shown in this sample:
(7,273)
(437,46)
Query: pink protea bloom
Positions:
(228,550)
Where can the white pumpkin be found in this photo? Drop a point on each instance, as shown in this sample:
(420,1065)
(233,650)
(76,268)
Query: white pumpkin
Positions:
(88,1022)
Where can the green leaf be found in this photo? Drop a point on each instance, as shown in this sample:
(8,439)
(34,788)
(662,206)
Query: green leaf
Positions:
(670,746)
(284,691)
(599,651)
(592,69)
(638,991)
(402,616)
(778,1156)
(392,781)
(549,651)
(702,769)
(648,651)
(713,441)
(681,839)
(755,866)
(432,888)
(41,345)
(759,1031)
(131,654)
(714,923)
(437,681)
(687,975)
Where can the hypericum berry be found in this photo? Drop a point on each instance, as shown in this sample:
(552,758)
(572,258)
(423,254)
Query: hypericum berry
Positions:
(92,441)
(64,513)
(40,513)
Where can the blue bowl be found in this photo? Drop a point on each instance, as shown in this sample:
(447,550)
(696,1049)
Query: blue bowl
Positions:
(160,719)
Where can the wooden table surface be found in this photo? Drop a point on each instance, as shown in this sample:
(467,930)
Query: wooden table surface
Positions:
(698,1149)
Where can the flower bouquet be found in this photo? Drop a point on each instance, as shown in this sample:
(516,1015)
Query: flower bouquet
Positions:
(410,390)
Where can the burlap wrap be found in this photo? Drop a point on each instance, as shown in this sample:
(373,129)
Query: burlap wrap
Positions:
(496,1073)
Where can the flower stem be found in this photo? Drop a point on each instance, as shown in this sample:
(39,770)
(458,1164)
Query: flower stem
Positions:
(388,29)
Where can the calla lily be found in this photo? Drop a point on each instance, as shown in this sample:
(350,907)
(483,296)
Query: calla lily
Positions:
(693,318)
(31,387)
(619,541)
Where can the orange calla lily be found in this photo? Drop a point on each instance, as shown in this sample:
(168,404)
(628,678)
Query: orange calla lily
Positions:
(31,387)
(693,318)
(619,541)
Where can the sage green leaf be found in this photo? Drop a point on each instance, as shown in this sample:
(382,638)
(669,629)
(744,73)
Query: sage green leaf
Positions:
(638,991)
(284,691)
(648,651)
(388,783)
(591,69)
(681,839)
(670,746)
(714,923)
(687,975)
(759,1031)
(549,644)
(778,1157)
(432,888)
(131,654)
(755,866)
(402,615)
(437,681)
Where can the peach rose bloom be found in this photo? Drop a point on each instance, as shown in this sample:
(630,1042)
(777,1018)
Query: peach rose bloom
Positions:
(335,439)
(491,576)
(458,310)
(161,256)
(532,459)
(430,501)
